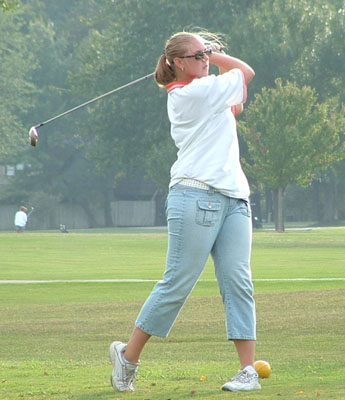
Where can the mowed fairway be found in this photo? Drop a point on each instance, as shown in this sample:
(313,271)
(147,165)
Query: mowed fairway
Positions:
(54,336)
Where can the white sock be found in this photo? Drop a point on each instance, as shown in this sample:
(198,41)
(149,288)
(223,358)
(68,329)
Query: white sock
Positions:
(125,360)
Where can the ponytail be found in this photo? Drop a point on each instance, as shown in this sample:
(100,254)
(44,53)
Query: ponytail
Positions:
(165,71)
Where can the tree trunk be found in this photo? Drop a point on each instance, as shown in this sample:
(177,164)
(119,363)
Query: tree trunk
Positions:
(107,199)
(329,215)
(92,223)
(316,200)
(278,209)
(256,205)
(269,205)
(330,209)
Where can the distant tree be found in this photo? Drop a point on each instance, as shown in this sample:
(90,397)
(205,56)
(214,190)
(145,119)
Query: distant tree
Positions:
(37,42)
(159,160)
(282,38)
(16,86)
(321,65)
(7,5)
(290,137)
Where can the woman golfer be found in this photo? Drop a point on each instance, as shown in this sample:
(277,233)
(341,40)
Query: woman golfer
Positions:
(208,209)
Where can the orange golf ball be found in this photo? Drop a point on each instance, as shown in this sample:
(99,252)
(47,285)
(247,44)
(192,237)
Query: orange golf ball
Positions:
(263,368)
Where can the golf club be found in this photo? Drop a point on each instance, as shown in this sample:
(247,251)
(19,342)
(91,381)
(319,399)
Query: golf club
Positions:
(33,133)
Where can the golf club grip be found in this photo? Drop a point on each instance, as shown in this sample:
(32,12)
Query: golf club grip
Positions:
(95,99)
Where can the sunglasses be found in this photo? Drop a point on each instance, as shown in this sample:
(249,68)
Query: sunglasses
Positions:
(199,55)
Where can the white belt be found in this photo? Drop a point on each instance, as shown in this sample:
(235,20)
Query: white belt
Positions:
(195,183)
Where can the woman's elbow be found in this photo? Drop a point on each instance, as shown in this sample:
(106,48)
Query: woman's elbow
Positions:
(249,75)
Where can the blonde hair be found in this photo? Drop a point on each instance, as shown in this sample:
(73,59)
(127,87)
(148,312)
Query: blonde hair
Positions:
(177,46)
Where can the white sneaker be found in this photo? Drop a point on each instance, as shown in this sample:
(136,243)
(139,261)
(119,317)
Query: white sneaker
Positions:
(124,373)
(247,379)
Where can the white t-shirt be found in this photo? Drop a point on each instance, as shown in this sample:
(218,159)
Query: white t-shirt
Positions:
(20,218)
(204,130)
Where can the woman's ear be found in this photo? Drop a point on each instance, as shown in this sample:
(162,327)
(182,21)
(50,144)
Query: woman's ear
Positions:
(178,63)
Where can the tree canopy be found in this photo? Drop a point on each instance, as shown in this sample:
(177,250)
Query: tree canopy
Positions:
(291,137)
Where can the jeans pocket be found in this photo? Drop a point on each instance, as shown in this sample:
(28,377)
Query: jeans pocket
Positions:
(207,212)
(245,208)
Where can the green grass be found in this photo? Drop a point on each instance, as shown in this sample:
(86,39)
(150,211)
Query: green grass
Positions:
(298,254)
(54,337)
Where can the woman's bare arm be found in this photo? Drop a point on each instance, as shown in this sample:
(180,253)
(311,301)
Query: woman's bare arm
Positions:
(225,63)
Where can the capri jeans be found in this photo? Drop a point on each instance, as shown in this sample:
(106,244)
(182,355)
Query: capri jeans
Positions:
(203,222)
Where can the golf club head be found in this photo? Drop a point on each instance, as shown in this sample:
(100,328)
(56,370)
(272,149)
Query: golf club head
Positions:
(33,136)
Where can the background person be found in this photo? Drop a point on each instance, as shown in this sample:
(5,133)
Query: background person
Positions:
(21,219)
(207,208)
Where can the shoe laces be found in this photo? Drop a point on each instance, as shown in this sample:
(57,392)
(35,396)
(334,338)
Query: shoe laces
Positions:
(130,374)
(243,377)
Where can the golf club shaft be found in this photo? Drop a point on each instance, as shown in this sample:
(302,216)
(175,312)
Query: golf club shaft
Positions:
(95,99)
